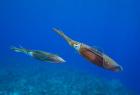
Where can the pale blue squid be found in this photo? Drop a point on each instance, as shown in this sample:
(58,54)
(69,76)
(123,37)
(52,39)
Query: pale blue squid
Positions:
(40,55)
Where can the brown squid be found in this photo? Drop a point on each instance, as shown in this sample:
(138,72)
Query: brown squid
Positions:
(92,54)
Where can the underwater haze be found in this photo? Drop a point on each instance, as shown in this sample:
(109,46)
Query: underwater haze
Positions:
(112,26)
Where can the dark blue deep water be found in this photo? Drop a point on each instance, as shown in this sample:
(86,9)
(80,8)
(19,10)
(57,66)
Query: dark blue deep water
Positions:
(113,26)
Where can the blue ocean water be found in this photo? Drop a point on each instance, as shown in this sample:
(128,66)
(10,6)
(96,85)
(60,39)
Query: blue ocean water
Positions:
(112,26)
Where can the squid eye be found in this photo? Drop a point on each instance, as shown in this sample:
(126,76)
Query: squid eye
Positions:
(76,45)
